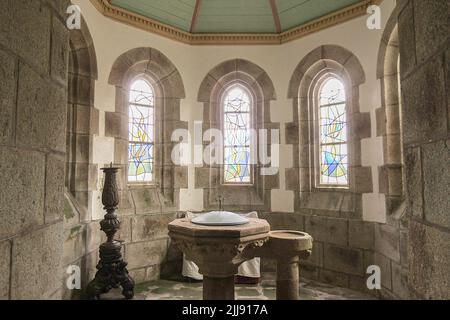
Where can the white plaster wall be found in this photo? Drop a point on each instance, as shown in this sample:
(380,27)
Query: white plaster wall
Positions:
(111,39)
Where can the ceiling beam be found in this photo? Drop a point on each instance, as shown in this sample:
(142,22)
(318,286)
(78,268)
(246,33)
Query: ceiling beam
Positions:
(276,16)
(198,4)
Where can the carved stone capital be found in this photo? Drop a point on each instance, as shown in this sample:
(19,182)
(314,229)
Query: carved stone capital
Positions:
(218,251)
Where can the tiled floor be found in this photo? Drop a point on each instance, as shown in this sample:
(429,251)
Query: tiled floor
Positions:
(176,290)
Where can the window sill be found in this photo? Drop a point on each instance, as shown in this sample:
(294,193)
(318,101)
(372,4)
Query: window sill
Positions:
(331,188)
(142,186)
(237,184)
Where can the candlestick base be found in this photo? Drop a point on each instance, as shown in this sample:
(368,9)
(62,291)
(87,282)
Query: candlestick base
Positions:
(112,269)
(112,273)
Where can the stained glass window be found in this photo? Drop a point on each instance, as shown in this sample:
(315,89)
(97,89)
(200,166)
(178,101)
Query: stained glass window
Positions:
(237,126)
(333,134)
(141,132)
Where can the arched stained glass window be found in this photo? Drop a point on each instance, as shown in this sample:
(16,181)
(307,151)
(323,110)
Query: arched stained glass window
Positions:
(141,132)
(333,154)
(237,108)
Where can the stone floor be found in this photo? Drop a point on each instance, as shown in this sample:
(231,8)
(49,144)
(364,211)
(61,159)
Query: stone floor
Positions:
(177,290)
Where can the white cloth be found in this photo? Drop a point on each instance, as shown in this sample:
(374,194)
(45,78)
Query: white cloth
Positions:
(249,268)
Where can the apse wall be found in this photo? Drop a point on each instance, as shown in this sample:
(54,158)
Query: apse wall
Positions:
(194,62)
(345,243)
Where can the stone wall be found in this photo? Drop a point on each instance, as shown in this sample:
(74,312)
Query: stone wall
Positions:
(390,250)
(343,242)
(82,234)
(425,81)
(33,94)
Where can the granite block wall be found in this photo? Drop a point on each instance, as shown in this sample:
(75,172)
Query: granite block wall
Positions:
(425,81)
(33,94)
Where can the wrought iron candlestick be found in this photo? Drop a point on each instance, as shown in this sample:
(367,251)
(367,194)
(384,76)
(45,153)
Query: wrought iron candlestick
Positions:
(112,271)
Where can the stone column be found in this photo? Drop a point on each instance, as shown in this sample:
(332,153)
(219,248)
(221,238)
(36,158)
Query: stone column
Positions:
(218,288)
(287,247)
(288,278)
(218,264)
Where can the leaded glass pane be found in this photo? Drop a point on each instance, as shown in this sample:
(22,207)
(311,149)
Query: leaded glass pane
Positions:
(333,134)
(141,93)
(237,129)
(237,136)
(333,124)
(140,165)
(334,164)
(237,100)
(141,128)
(332,92)
(237,168)
(141,132)
(141,114)
(237,121)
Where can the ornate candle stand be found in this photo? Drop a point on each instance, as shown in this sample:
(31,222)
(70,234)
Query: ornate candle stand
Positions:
(112,271)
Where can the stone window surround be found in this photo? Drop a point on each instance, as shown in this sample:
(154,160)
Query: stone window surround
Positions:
(146,209)
(327,59)
(81,178)
(168,88)
(82,120)
(244,197)
(389,118)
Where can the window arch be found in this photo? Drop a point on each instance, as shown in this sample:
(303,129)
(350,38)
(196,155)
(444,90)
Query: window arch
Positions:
(308,83)
(161,194)
(141,129)
(332,141)
(82,120)
(245,91)
(389,119)
(237,105)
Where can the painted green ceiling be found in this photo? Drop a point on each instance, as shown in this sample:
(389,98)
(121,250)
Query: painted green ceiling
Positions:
(177,13)
(294,13)
(233,16)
